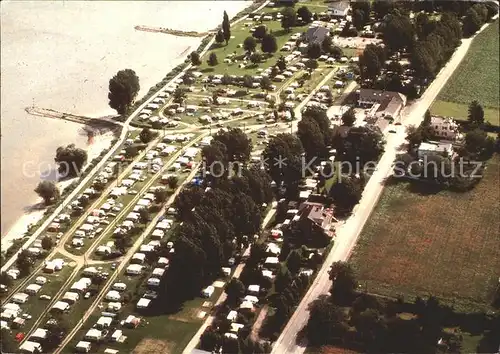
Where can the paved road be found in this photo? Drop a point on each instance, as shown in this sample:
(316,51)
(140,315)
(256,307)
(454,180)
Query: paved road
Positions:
(125,260)
(96,169)
(348,233)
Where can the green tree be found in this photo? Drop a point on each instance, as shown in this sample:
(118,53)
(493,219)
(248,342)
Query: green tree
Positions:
(346,193)
(327,323)
(47,243)
(414,136)
(238,145)
(131,151)
(358,18)
(8,344)
(476,113)
(255,58)
(260,32)
(161,195)
(249,44)
(294,261)
(219,37)
(344,282)
(312,138)
(210,340)
(48,191)
(5,279)
(265,83)
(24,262)
(269,44)
(235,290)
(289,19)
(70,160)
(120,243)
(281,63)
(146,135)
(172,182)
(144,215)
(314,50)
(123,89)
(195,59)
(226,27)
(312,64)
(472,22)
(349,117)
(305,14)
(179,95)
(212,59)
(369,64)
(398,33)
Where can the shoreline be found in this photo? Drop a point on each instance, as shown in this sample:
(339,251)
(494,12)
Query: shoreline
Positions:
(19,228)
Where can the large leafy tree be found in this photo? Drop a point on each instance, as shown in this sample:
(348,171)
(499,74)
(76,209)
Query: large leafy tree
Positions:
(289,19)
(327,323)
(249,44)
(123,89)
(305,14)
(476,113)
(269,44)
(48,191)
(344,282)
(70,160)
(346,193)
(238,145)
(398,33)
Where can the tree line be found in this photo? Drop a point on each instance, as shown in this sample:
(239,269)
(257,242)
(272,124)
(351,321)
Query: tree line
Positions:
(352,318)
(219,219)
(477,147)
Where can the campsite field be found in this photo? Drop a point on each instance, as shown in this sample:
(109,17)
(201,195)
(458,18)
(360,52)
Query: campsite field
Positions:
(446,244)
(475,79)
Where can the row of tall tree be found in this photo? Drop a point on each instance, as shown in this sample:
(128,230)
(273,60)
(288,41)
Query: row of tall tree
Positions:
(218,219)
(372,325)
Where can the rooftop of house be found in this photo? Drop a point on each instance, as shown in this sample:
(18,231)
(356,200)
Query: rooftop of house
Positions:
(438,120)
(435,146)
(376,95)
(316,34)
(317,213)
(339,5)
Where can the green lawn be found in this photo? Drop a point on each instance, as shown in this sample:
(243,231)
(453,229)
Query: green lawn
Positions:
(444,243)
(459,111)
(475,79)
(240,32)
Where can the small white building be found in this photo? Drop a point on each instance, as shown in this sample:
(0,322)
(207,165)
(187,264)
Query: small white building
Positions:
(143,303)
(113,295)
(208,291)
(32,289)
(253,289)
(20,298)
(104,322)
(153,282)
(83,346)
(30,347)
(93,335)
(138,258)
(158,272)
(134,269)
(445,128)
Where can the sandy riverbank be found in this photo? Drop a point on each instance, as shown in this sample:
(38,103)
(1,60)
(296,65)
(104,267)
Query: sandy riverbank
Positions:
(36,212)
(64,66)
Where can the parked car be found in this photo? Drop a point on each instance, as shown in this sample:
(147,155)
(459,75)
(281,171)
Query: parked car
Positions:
(45,297)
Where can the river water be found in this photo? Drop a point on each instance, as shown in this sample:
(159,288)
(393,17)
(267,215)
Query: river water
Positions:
(61,55)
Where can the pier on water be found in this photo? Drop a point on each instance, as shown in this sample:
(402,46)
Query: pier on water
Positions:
(51,113)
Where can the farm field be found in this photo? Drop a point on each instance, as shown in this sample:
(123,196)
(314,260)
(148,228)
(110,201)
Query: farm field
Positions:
(475,79)
(445,244)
